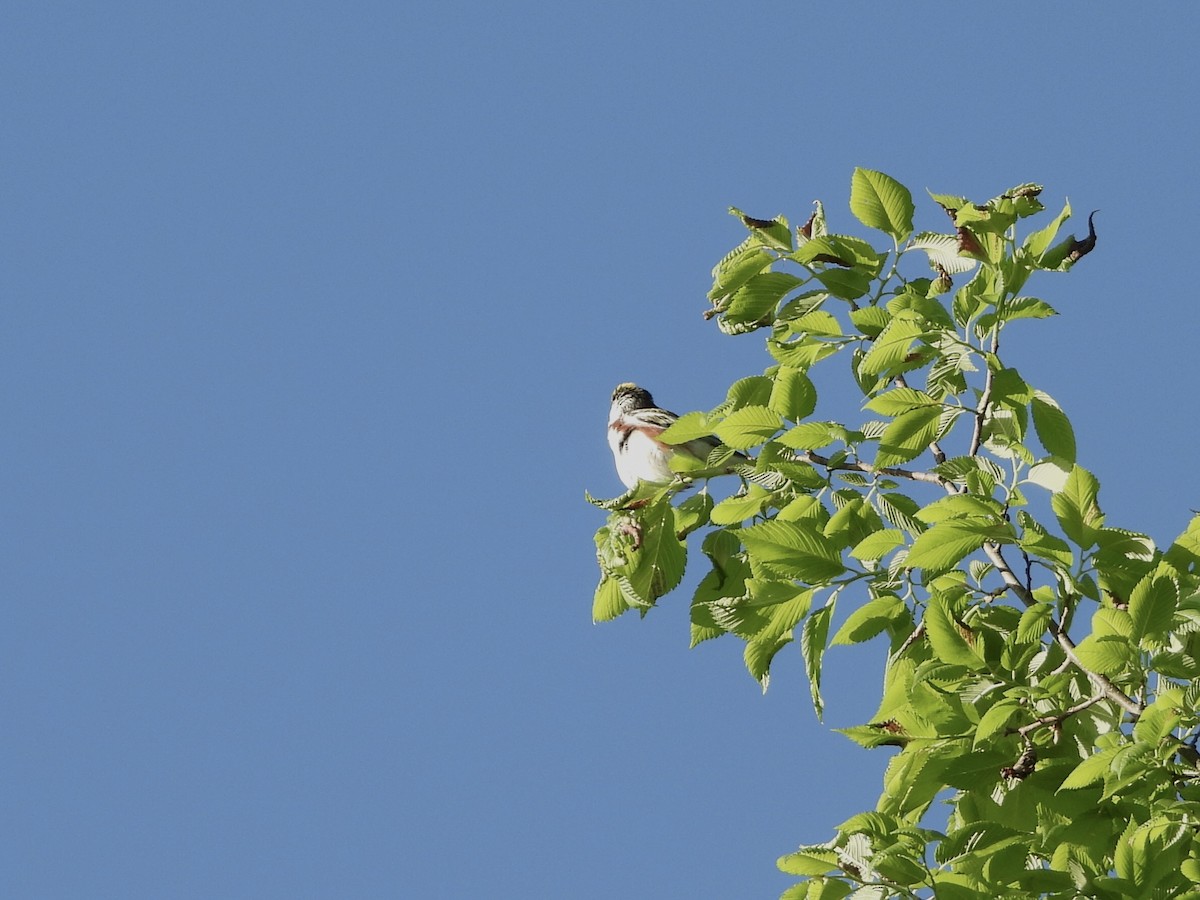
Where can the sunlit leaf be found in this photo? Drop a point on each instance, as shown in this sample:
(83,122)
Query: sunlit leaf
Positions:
(1053,427)
(748,427)
(812,646)
(879,201)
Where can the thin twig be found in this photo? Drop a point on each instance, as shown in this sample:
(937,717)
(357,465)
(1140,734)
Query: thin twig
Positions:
(1043,721)
(1061,637)
(815,459)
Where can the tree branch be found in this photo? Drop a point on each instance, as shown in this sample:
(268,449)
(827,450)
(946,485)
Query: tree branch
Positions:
(1055,720)
(1061,637)
(815,459)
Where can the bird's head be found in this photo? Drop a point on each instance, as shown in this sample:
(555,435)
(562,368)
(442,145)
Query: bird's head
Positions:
(628,396)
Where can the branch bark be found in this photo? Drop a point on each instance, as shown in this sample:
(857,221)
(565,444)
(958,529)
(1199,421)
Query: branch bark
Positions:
(1022,593)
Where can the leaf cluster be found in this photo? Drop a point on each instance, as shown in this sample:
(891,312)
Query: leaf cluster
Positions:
(1043,666)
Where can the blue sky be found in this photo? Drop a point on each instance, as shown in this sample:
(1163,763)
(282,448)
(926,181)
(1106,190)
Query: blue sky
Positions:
(311,316)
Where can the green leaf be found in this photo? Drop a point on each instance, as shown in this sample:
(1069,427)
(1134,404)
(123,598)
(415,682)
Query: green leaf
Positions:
(894,343)
(1108,655)
(942,250)
(943,545)
(748,427)
(688,427)
(793,549)
(1034,622)
(1077,508)
(1039,241)
(956,506)
(608,602)
(793,395)
(770,232)
(853,522)
(947,636)
(819,323)
(752,391)
(869,620)
(1053,427)
(740,507)
(877,545)
(813,435)
(739,265)
(1161,717)
(1152,604)
(1091,770)
(994,720)
(901,400)
(812,646)
(847,284)
(840,250)
(879,201)
(1024,308)
(908,436)
(901,511)
(756,300)
(870,320)
(803,353)
(810,861)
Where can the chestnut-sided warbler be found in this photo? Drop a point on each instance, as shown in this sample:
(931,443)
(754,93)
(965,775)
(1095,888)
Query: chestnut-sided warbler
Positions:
(634,424)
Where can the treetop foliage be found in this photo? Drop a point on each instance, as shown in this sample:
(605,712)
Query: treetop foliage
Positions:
(1043,665)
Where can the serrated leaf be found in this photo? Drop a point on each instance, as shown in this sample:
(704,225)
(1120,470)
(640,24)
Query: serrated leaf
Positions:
(608,602)
(1108,655)
(901,511)
(1091,770)
(1025,308)
(794,549)
(1053,427)
(1050,474)
(994,720)
(793,395)
(870,320)
(756,300)
(877,545)
(942,546)
(879,201)
(812,647)
(955,506)
(741,264)
(1153,602)
(1033,624)
(812,861)
(818,322)
(740,507)
(840,250)
(813,435)
(893,344)
(942,250)
(1038,241)
(688,427)
(748,427)
(901,400)
(908,436)
(946,635)
(752,391)
(869,620)
(1077,509)
(847,284)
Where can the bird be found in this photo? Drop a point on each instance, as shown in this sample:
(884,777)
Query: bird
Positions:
(634,424)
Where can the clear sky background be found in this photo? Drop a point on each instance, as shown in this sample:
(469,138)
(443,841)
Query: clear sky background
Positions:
(311,314)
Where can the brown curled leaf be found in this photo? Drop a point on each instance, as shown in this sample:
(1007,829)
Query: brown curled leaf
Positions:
(752,222)
(806,228)
(968,243)
(1082,248)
